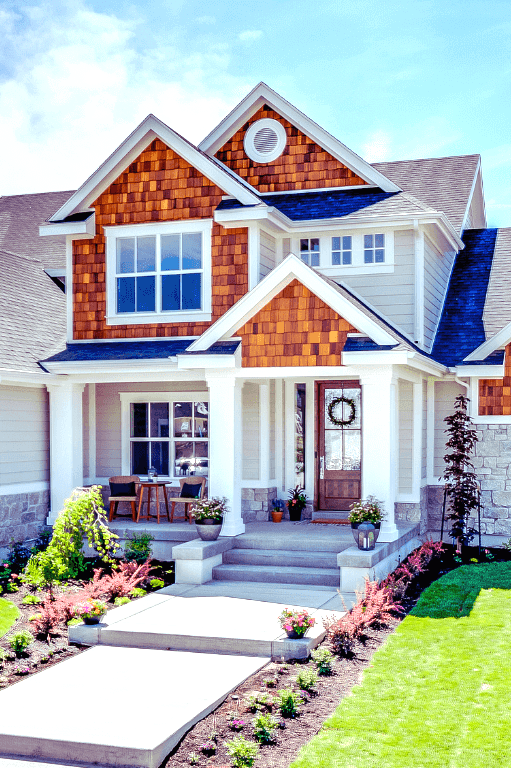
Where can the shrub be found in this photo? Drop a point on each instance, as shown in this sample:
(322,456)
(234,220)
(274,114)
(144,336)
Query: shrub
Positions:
(242,752)
(257,701)
(31,600)
(289,702)
(264,726)
(121,601)
(83,516)
(323,659)
(18,556)
(19,641)
(138,547)
(306,680)
(156,583)
(138,592)
(193,758)
(120,583)
(402,580)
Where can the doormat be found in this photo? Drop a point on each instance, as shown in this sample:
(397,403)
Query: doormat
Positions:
(331,522)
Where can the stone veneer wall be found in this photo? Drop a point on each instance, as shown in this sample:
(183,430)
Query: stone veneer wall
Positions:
(408,512)
(22,515)
(256,504)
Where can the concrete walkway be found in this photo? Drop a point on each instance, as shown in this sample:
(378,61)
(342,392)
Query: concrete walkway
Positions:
(129,700)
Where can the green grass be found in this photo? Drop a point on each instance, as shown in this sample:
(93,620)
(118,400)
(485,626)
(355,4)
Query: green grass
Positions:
(8,615)
(437,693)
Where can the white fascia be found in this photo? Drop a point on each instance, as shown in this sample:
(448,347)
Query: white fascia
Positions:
(24,378)
(498,341)
(480,371)
(292,268)
(112,366)
(262,94)
(194,362)
(87,227)
(409,358)
(149,129)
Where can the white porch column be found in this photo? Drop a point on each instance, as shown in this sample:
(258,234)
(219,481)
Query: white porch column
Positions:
(264,433)
(225,446)
(66,443)
(379,448)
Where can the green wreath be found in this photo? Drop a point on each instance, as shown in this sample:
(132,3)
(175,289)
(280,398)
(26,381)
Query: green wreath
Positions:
(341,422)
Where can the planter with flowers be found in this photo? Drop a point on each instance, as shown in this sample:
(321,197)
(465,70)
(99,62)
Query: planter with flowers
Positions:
(369,514)
(90,611)
(278,507)
(209,516)
(296,623)
(296,503)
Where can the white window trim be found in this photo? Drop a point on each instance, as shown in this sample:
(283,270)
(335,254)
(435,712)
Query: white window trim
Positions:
(357,266)
(157,228)
(474,404)
(127,398)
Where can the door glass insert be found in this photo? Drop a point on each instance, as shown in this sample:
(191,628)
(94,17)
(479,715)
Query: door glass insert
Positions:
(342,429)
(300,435)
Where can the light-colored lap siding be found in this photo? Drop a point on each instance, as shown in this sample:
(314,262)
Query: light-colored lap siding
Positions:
(24,435)
(267,254)
(405,447)
(251,438)
(392,294)
(424,463)
(445,394)
(437,268)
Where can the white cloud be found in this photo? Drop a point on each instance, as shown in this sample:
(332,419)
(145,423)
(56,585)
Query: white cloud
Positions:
(377,147)
(73,86)
(249,35)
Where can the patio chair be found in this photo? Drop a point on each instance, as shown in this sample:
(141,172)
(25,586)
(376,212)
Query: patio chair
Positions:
(191,489)
(123,488)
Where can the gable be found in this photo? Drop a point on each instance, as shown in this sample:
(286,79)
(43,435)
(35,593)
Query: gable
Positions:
(302,165)
(295,328)
(159,185)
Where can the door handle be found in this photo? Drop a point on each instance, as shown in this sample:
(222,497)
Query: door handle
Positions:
(322,468)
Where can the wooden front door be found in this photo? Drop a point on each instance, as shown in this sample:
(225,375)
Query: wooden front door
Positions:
(339,444)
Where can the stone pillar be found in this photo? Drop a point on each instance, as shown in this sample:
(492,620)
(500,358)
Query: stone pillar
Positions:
(66,443)
(379,446)
(225,446)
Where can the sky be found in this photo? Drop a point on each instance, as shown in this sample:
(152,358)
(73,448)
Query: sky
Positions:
(392,79)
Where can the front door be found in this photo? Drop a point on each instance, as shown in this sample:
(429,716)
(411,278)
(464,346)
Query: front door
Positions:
(339,444)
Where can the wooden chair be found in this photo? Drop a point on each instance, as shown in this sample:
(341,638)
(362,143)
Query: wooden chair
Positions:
(187,500)
(115,500)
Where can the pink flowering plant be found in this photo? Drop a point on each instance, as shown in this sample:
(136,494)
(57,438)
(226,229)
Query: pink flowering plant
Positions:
(296,621)
(89,609)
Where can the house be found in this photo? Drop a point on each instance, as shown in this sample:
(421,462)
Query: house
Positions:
(268,309)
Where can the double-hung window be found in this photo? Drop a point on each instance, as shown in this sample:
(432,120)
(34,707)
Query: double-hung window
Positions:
(309,251)
(159,272)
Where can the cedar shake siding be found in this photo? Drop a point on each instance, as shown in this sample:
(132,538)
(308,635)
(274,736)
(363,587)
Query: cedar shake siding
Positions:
(302,165)
(495,394)
(158,186)
(294,329)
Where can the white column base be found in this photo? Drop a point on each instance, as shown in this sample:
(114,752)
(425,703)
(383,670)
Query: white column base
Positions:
(388,532)
(232,526)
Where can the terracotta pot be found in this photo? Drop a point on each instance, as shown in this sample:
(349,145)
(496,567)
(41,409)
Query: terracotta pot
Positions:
(276,515)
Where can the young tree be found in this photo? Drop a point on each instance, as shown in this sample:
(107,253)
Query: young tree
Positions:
(461,485)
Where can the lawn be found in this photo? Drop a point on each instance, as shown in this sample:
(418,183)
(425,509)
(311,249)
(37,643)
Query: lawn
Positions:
(437,693)
(8,615)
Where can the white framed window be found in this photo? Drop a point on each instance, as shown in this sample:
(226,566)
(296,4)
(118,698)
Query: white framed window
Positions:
(309,251)
(159,272)
(374,249)
(341,250)
(165,430)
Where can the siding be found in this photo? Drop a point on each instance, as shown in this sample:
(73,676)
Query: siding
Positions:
(267,254)
(392,294)
(424,472)
(445,392)
(108,419)
(437,268)
(251,438)
(25,435)
(405,447)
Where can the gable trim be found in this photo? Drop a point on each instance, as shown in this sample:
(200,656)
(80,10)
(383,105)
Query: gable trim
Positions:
(149,129)
(292,268)
(263,94)
(498,341)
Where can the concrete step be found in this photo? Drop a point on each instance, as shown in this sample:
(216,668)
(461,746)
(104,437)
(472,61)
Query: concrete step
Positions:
(299,542)
(327,577)
(293,558)
(331,515)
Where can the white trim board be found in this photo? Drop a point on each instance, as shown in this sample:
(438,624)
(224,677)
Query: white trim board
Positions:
(498,341)
(263,94)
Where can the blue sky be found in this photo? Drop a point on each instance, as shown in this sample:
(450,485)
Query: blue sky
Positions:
(391,79)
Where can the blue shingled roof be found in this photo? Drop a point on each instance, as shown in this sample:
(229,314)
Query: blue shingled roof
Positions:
(364,344)
(331,204)
(135,350)
(461,329)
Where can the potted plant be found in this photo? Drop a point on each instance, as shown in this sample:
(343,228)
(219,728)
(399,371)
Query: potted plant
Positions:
(277,511)
(296,623)
(90,611)
(369,511)
(296,503)
(209,516)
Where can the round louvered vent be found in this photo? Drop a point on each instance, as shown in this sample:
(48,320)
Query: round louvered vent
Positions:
(265,140)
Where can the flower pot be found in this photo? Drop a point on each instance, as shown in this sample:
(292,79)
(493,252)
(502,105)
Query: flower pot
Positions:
(276,515)
(293,634)
(376,533)
(92,619)
(209,530)
(295,513)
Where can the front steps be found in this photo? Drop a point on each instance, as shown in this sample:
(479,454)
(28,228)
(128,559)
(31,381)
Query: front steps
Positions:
(284,574)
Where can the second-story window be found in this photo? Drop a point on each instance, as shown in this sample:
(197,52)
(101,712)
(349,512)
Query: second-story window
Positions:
(374,249)
(341,250)
(309,251)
